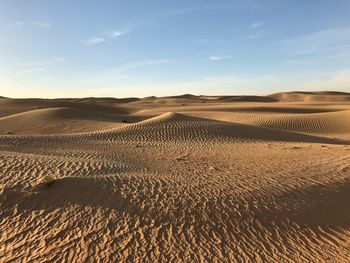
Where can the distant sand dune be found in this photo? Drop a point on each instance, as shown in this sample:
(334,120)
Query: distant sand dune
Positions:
(326,96)
(13,106)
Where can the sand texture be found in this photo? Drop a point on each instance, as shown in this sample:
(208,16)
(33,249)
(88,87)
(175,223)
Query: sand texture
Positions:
(176,179)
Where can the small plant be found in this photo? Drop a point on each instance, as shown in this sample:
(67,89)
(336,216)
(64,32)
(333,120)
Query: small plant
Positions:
(10,133)
(125,121)
(47,181)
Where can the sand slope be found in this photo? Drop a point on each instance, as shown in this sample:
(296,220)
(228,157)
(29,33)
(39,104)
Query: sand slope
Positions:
(218,179)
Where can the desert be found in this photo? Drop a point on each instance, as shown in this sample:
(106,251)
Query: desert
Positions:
(189,178)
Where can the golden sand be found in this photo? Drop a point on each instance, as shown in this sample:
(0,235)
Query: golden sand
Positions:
(176,179)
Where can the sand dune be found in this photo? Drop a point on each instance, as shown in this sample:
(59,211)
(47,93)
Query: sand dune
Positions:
(58,121)
(176,179)
(179,127)
(247,98)
(325,96)
(326,123)
(13,106)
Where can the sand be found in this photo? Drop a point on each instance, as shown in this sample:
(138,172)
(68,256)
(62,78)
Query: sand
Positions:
(176,179)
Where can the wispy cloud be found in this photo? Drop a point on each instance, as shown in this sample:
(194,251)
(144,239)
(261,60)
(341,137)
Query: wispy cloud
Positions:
(42,24)
(102,79)
(201,41)
(186,10)
(121,73)
(19,23)
(256,30)
(105,36)
(257,24)
(29,71)
(240,79)
(93,40)
(338,81)
(255,35)
(217,58)
(56,60)
(142,64)
(118,33)
(213,6)
(29,67)
(329,40)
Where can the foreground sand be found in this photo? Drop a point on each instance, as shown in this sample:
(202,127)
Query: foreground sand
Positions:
(177,179)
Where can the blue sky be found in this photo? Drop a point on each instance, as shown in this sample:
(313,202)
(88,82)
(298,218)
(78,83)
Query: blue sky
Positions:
(79,48)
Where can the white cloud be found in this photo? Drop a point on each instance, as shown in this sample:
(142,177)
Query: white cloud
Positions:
(93,40)
(118,33)
(19,23)
(105,36)
(217,58)
(42,24)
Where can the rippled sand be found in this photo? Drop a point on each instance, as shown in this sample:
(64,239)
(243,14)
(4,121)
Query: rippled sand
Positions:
(176,179)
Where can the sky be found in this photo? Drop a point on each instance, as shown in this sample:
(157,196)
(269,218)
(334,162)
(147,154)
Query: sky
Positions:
(139,48)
